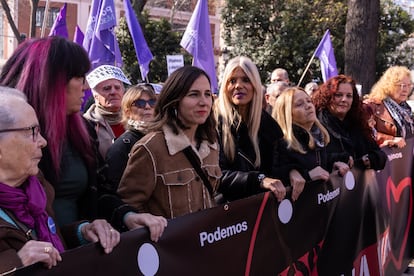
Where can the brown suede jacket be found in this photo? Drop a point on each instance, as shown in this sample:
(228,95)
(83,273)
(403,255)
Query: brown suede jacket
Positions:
(385,124)
(160,180)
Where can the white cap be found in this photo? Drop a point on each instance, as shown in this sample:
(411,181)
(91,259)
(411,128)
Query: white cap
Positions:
(105,72)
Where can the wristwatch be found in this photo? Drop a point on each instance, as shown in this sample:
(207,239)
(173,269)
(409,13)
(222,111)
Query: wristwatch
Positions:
(260,178)
(365,160)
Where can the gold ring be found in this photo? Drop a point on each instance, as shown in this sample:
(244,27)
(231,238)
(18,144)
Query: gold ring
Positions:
(47,249)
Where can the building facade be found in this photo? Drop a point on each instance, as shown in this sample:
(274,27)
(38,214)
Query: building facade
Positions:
(177,12)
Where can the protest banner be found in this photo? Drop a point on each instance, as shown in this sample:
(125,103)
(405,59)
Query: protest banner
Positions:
(359,224)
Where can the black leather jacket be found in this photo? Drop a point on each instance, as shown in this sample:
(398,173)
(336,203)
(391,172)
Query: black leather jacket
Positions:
(240,177)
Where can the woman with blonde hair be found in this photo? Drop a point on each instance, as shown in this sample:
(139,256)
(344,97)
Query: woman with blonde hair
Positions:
(388,100)
(246,133)
(137,110)
(303,148)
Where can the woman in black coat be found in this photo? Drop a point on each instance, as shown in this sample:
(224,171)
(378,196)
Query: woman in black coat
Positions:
(301,155)
(137,109)
(246,133)
(340,111)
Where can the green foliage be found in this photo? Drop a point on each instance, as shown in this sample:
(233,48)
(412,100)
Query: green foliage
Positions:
(274,33)
(283,33)
(393,46)
(161,40)
(402,55)
(277,33)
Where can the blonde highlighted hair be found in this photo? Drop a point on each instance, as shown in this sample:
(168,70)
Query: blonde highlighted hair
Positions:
(228,112)
(388,81)
(282,113)
(132,94)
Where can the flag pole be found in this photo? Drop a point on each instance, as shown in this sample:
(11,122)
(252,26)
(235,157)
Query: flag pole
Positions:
(306,69)
(45,18)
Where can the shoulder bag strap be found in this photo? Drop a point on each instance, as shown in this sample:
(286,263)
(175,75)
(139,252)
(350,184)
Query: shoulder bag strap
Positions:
(30,234)
(189,153)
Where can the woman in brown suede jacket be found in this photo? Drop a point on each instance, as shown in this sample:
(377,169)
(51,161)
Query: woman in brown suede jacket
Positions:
(388,100)
(159,178)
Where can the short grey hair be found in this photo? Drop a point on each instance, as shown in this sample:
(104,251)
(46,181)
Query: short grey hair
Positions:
(7,109)
(276,88)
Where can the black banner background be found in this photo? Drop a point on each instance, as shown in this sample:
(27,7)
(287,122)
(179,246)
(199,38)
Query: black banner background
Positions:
(366,229)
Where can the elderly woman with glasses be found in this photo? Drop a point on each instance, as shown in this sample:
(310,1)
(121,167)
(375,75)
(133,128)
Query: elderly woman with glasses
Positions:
(388,100)
(51,73)
(28,233)
(137,110)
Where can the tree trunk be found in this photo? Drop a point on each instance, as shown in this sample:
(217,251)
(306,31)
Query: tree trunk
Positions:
(361,34)
(13,26)
(138,5)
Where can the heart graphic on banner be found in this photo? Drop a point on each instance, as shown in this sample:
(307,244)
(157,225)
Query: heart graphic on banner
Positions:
(394,194)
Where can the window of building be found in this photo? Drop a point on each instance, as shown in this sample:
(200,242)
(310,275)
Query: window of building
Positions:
(51,17)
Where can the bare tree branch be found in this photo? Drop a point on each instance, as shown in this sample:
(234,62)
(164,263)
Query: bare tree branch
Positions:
(13,26)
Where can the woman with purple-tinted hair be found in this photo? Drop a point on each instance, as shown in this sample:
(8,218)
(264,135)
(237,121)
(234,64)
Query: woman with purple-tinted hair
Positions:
(46,70)
(51,72)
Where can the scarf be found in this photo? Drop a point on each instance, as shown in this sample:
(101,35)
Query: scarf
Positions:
(141,126)
(401,113)
(28,204)
(317,136)
(113,118)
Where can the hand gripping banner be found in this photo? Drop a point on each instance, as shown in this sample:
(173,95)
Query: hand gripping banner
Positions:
(359,224)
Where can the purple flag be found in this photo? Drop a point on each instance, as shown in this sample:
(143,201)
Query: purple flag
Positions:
(90,26)
(78,36)
(104,47)
(59,27)
(142,51)
(325,53)
(197,41)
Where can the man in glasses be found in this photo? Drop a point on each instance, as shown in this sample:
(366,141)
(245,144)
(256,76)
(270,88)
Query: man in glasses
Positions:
(107,85)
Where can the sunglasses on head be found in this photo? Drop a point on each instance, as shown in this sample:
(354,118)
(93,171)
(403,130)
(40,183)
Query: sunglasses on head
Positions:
(142,103)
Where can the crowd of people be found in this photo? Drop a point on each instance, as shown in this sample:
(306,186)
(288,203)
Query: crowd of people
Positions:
(135,159)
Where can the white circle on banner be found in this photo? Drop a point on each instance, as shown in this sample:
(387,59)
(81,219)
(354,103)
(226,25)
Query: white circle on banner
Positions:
(148,259)
(285,211)
(349,181)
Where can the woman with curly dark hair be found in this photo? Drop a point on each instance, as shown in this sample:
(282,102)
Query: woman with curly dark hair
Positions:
(340,110)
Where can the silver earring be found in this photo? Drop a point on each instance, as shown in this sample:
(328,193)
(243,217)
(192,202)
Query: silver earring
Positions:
(175,112)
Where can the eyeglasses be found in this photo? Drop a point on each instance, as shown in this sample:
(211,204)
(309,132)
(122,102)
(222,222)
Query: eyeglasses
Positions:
(405,85)
(35,130)
(143,103)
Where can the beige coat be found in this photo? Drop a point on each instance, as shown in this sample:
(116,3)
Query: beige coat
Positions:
(160,180)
